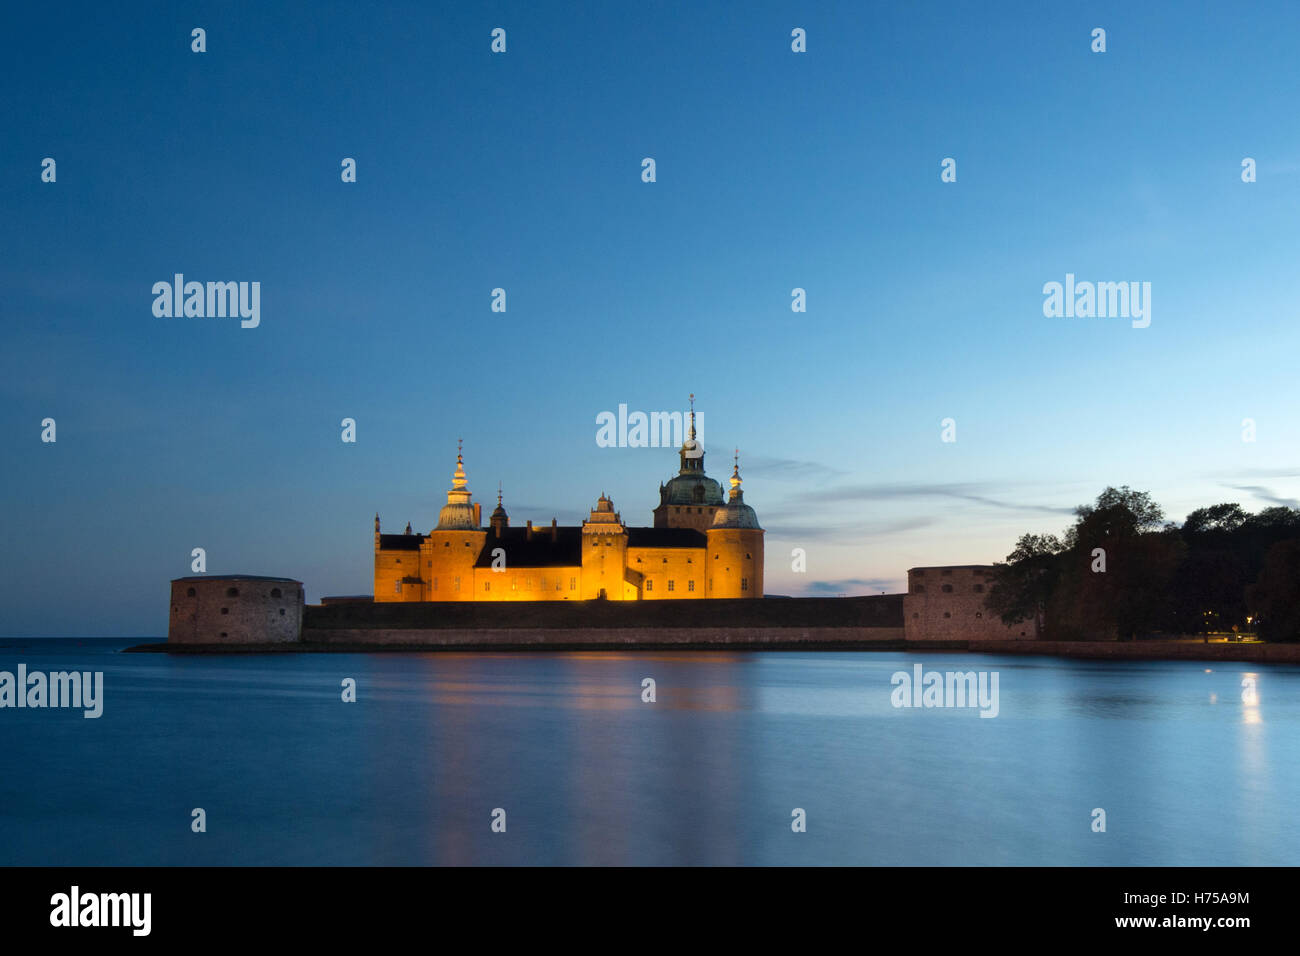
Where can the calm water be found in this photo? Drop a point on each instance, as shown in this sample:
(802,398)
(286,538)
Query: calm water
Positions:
(410,774)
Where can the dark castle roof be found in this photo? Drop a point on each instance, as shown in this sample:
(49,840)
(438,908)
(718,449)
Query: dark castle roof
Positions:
(540,552)
(566,549)
(400,542)
(666,538)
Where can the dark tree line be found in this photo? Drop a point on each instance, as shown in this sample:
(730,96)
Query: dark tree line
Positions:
(1122,571)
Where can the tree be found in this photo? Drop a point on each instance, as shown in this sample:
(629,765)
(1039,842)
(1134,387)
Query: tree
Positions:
(1023,584)
(1225,517)
(1275,596)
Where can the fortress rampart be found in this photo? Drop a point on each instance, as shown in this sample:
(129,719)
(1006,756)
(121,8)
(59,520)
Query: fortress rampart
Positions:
(235,609)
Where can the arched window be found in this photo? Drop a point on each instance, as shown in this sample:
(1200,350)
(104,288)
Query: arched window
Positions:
(189,592)
(947,589)
(275,592)
(232,592)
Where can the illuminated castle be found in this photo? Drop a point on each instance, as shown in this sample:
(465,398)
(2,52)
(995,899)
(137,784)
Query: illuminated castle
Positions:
(699,547)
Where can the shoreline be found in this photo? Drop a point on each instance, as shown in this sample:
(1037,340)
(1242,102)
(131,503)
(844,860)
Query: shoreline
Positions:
(1259,653)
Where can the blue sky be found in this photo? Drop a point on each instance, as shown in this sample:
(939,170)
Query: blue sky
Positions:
(775,170)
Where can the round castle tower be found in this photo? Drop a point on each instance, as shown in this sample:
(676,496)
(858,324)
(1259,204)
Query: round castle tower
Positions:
(735,546)
(235,609)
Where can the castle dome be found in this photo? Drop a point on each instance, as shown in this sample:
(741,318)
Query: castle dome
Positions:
(691,486)
(458,513)
(736,514)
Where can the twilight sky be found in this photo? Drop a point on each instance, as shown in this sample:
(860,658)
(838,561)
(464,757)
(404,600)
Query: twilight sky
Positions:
(522,170)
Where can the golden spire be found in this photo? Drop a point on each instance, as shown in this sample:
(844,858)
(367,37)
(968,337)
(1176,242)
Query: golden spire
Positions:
(735,477)
(692,415)
(458,480)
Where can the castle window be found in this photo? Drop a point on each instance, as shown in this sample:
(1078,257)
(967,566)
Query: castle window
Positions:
(397,587)
(947,614)
(573,584)
(232,592)
(458,584)
(665,560)
(638,560)
(435,584)
(690,585)
(223,634)
(446,544)
(467,544)
(282,612)
(744,584)
(275,592)
(979,589)
(914,614)
(514,584)
(487,585)
(225,610)
(979,614)
(398,561)
(715,557)
(672,585)
(918,588)
(747,555)
(947,589)
(649,585)
(189,592)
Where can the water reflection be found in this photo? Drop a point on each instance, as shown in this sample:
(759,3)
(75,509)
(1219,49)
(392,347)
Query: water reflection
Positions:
(1179,755)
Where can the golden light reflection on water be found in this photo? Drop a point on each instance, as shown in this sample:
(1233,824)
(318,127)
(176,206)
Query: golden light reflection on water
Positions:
(590,687)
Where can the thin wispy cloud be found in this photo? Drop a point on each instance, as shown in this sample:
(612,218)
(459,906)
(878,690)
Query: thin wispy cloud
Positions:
(1266,494)
(973,492)
(846,585)
(834,531)
(788,469)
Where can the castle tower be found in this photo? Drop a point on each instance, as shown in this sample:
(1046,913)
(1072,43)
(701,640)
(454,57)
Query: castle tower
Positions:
(459,513)
(691,498)
(499,519)
(604,553)
(735,554)
(448,553)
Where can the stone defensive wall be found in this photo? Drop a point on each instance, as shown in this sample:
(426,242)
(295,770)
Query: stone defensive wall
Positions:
(770,622)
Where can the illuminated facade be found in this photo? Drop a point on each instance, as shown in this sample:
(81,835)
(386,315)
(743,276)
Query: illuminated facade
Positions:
(699,547)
